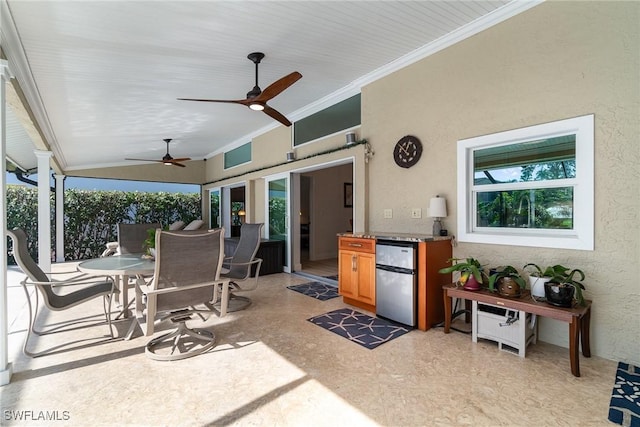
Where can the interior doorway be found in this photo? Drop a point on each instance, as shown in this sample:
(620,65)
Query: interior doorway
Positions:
(237,210)
(325,209)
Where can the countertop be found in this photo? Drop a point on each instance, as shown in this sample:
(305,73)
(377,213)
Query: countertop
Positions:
(402,237)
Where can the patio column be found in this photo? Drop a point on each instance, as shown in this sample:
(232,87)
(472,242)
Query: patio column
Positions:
(44,210)
(59,217)
(5,366)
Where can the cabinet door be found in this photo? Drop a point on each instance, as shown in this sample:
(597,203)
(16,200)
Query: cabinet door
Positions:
(366,278)
(346,269)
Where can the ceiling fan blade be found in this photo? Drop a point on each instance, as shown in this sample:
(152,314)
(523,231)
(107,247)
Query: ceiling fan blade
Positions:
(276,115)
(174,163)
(275,88)
(227,101)
(182,159)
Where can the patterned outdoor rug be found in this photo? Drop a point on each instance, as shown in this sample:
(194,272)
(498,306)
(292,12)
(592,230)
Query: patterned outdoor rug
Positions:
(624,408)
(317,290)
(369,332)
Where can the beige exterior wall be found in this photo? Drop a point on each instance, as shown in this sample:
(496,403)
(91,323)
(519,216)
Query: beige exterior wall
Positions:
(269,158)
(193,173)
(555,61)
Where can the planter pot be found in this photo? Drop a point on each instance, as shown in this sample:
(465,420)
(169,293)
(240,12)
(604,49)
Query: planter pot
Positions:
(537,285)
(152,252)
(558,294)
(472,284)
(507,287)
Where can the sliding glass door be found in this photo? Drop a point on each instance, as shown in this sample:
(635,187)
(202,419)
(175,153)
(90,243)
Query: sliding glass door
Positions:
(215,207)
(277,210)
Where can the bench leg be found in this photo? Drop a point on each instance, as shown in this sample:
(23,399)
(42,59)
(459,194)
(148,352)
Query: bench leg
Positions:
(585,325)
(574,338)
(447,312)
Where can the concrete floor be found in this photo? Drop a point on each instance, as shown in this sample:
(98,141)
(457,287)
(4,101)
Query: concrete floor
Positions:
(271,367)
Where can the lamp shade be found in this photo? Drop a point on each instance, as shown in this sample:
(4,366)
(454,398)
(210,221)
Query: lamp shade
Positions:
(438,207)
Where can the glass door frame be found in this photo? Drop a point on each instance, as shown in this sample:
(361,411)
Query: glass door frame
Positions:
(219,218)
(288,239)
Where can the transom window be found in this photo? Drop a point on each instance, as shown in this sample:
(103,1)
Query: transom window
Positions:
(528,187)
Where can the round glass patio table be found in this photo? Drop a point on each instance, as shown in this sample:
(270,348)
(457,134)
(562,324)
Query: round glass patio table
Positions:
(120,266)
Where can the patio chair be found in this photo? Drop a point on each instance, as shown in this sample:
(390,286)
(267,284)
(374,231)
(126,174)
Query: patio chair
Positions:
(113,248)
(177,225)
(196,224)
(131,237)
(90,287)
(242,269)
(187,270)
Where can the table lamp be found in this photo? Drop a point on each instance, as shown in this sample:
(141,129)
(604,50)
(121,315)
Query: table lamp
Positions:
(437,210)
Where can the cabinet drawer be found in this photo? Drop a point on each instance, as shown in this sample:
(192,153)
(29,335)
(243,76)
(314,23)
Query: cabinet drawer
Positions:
(356,244)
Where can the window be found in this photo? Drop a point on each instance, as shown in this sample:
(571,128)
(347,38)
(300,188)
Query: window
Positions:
(237,156)
(338,117)
(528,187)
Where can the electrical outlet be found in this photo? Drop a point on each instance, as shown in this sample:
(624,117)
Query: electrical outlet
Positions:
(416,213)
(388,213)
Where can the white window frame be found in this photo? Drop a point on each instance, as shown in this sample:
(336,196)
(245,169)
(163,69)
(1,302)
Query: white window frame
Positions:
(580,237)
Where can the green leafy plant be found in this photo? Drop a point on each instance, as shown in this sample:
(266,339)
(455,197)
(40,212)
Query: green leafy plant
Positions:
(562,275)
(466,267)
(91,217)
(150,241)
(509,272)
(549,271)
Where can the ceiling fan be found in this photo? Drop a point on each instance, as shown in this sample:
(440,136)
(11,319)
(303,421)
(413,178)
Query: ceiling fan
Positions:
(257,98)
(167,159)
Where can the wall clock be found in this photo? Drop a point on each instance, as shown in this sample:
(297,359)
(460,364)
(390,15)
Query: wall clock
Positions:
(407,151)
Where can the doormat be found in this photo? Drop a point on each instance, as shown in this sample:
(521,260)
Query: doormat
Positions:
(624,408)
(369,332)
(317,290)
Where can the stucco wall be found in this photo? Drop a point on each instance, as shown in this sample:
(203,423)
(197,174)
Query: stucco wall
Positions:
(555,61)
(193,173)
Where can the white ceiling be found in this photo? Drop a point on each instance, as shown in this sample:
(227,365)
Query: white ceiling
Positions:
(102,77)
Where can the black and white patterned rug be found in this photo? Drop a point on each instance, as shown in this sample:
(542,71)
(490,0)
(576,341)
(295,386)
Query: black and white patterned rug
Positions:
(624,408)
(369,332)
(317,290)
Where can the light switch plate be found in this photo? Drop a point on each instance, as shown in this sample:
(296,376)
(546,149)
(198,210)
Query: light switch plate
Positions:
(388,213)
(416,213)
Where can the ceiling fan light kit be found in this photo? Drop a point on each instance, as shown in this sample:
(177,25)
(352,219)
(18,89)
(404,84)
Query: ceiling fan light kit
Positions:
(257,98)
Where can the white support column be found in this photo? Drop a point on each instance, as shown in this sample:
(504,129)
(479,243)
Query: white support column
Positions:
(5,366)
(44,210)
(59,217)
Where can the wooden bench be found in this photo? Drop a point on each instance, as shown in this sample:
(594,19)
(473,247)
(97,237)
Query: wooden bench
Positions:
(578,318)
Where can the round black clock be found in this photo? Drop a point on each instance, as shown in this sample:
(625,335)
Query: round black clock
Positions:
(407,151)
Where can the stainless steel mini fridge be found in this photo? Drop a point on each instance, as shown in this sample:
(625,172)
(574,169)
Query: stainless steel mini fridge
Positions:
(396,281)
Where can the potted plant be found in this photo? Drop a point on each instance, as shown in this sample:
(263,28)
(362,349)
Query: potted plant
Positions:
(564,288)
(508,281)
(538,277)
(470,271)
(559,283)
(149,244)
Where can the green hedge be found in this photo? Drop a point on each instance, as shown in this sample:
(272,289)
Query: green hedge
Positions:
(91,217)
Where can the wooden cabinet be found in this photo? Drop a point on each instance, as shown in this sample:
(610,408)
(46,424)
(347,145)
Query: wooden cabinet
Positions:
(357,271)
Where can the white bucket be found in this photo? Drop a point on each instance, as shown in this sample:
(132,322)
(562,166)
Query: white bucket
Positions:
(537,285)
